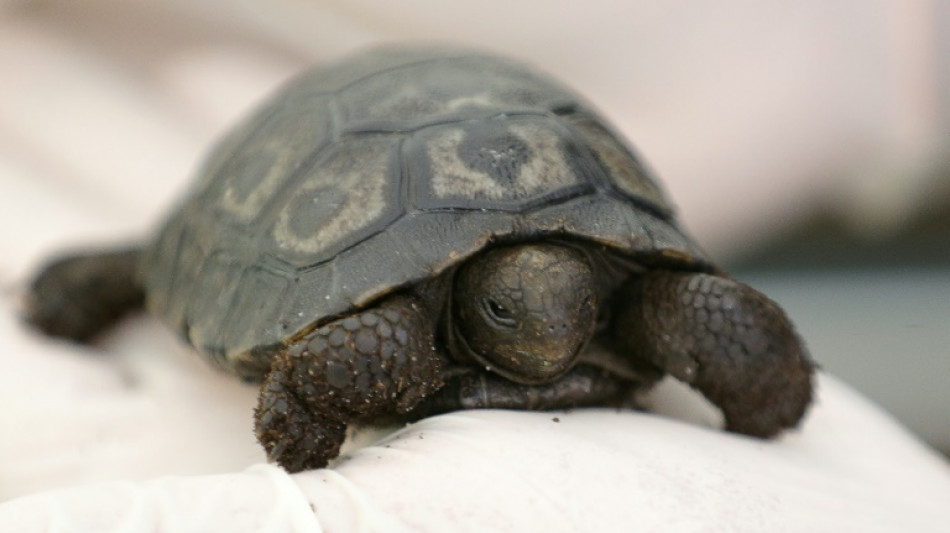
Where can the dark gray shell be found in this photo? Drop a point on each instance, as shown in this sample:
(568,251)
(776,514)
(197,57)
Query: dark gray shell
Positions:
(383,170)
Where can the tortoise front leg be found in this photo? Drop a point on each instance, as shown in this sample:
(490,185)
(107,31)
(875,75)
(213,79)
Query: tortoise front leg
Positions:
(382,360)
(727,340)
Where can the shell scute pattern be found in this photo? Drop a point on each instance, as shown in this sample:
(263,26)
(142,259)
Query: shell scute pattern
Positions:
(270,157)
(256,318)
(491,164)
(371,175)
(348,193)
(426,93)
(219,293)
(621,166)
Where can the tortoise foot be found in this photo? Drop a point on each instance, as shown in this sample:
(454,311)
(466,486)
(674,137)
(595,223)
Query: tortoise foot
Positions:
(294,435)
(377,362)
(727,340)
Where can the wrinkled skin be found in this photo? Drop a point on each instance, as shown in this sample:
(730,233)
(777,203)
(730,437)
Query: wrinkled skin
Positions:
(506,330)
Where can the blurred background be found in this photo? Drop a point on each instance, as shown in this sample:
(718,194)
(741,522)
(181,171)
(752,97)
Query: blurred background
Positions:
(806,143)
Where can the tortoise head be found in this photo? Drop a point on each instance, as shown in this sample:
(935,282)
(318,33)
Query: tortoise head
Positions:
(524,311)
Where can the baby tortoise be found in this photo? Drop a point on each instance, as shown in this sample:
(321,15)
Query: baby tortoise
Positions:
(413,231)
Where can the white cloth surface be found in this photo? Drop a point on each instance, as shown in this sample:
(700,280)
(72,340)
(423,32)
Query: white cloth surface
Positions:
(102,122)
(850,468)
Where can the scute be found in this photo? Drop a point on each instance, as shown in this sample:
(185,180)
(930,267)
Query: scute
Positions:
(381,171)
(497,163)
(256,313)
(349,192)
(214,283)
(260,158)
(622,167)
(445,89)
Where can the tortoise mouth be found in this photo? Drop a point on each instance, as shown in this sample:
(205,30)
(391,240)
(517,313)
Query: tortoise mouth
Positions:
(528,369)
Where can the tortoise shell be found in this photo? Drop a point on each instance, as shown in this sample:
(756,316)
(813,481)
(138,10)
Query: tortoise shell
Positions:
(379,172)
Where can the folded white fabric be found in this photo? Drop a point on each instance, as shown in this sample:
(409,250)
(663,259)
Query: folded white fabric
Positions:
(850,468)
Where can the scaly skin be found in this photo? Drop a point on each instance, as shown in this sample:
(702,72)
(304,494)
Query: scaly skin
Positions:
(725,339)
(376,362)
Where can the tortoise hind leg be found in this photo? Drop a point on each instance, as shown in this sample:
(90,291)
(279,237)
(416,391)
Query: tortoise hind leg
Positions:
(78,297)
(725,339)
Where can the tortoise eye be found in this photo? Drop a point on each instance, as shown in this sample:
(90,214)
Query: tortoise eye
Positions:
(498,313)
